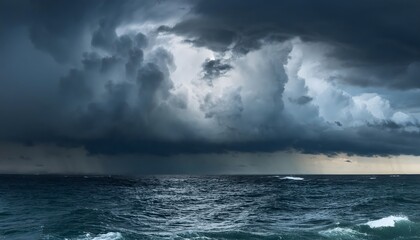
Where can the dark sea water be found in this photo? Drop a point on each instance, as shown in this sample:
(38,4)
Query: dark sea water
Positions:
(209,207)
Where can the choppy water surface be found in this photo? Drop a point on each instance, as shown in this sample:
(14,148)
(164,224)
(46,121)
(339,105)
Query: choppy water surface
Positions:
(210,207)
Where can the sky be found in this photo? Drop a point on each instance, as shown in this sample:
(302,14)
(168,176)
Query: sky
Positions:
(209,87)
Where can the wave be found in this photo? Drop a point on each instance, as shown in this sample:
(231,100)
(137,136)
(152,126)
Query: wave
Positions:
(389,221)
(105,236)
(292,178)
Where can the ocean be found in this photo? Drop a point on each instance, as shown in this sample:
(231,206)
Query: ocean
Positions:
(209,207)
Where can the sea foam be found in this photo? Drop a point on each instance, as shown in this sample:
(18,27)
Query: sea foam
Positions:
(387,221)
(105,236)
(341,233)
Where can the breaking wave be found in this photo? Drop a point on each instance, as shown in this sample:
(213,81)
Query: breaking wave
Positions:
(389,221)
(292,178)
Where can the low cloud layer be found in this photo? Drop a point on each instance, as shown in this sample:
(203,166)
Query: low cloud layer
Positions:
(163,78)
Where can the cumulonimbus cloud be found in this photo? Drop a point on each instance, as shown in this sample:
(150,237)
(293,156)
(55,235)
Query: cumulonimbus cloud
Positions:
(148,77)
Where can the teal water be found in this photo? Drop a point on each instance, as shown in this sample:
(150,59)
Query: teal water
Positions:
(209,207)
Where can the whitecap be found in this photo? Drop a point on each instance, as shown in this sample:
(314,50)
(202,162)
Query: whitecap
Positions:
(292,178)
(387,221)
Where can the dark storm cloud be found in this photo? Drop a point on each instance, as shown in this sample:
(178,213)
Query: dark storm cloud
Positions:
(61,27)
(120,97)
(68,79)
(378,38)
(302,100)
(331,144)
(214,68)
(47,102)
